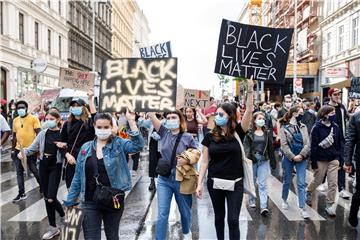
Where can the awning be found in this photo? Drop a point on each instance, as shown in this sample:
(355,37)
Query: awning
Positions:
(342,84)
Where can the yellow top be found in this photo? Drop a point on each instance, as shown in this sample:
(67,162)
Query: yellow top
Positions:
(25,130)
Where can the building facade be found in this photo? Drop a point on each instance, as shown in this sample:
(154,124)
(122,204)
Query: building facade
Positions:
(141,31)
(340,30)
(31,30)
(80,20)
(122,28)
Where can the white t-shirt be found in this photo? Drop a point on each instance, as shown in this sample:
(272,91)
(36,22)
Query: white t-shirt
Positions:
(4,126)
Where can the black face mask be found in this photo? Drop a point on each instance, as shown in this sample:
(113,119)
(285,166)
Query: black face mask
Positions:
(299,118)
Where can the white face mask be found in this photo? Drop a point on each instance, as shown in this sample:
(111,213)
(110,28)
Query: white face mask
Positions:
(103,134)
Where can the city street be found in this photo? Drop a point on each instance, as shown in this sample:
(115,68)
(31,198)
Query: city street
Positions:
(27,219)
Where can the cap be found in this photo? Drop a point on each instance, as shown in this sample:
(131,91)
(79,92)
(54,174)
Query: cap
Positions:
(333,90)
(79,101)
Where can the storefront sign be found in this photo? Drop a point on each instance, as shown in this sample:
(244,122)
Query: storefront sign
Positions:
(196,98)
(336,72)
(39,65)
(246,50)
(298,85)
(75,79)
(140,84)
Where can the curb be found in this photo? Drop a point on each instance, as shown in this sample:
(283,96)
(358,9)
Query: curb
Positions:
(142,220)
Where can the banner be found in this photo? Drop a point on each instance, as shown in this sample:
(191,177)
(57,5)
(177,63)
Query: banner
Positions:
(140,84)
(196,98)
(72,227)
(355,88)
(75,79)
(246,50)
(160,50)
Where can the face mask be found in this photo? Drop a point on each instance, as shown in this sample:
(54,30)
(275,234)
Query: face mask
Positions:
(312,111)
(103,134)
(220,121)
(21,112)
(172,124)
(147,123)
(260,122)
(288,105)
(332,118)
(50,124)
(76,111)
(299,118)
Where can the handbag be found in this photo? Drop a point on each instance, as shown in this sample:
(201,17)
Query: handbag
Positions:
(163,167)
(328,141)
(105,197)
(224,184)
(249,187)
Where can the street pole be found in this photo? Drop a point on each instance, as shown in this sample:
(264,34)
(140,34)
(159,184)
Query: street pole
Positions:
(295,51)
(93,36)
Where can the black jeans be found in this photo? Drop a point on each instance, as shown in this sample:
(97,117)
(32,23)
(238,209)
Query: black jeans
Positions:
(50,175)
(69,174)
(355,201)
(234,202)
(31,162)
(341,172)
(92,222)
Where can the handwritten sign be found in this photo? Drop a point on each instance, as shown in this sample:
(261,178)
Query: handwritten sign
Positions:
(355,88)
(246,50)
(160,50)
(75,79)
(196,98)
(140,84)
(72,227)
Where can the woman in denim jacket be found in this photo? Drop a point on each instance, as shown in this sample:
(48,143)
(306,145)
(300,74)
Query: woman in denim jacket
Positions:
(258,146)
(113,171)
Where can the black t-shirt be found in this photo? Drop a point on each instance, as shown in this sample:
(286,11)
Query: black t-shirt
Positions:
(87,134)
(50,138)
(225,159)
(90,180)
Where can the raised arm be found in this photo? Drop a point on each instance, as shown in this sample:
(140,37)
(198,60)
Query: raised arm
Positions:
(155,121)
(246,119)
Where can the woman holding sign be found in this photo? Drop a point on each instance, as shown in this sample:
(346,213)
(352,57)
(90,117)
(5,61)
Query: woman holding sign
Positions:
(102,176)
(222,157)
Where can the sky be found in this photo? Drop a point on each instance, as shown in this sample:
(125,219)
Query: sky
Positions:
(193,27)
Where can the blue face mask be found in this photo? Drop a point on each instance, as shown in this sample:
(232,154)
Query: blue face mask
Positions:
(51,124)
(172,124)
(76,111)
(21,112)
(332,118)
(147,123)
(221,121)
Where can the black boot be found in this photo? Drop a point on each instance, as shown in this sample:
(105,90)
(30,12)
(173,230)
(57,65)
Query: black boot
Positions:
(152,185)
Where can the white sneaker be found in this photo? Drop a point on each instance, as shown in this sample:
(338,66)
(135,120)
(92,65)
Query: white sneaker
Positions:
(344,194)
(330,210)
(323,187)
(252,205)
(285,205)
(52,232)
(304,214)
(188,236)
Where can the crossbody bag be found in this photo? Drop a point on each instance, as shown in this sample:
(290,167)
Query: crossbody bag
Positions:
(163,167)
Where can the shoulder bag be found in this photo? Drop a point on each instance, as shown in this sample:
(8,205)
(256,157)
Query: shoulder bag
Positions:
(163,167)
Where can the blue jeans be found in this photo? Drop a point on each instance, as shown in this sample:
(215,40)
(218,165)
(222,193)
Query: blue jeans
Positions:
(261,172)
(166,187)
(300,167)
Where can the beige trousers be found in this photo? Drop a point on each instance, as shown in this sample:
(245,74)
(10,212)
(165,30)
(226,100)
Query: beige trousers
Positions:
(331,169)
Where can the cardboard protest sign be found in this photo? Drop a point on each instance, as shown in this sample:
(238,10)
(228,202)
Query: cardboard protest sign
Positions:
(140,84)
(355,88)
(196,98)
(246,50)
(75,79)
(72,227)
(160,50)
(179,96)
(33,100)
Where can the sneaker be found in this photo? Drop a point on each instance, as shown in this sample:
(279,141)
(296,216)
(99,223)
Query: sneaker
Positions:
(62,221)
(187,236)
(152,185)
(264,211)
(308,198)
(252,205)
(19,197)
(304,214)
(344,194)
(330,210)
(285,205)
(52,232)
(322,187)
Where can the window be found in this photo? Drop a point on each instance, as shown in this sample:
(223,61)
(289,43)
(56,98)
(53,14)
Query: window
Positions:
(49,4)
(78,18)
(328,44)
(59,7)
(341,38)
(60,47)
(355,32)
(1,17)
(37,35)
(21,28)
(49,41)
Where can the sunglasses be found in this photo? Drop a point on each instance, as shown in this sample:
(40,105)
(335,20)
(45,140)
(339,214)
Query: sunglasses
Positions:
(219,113)
(336,94)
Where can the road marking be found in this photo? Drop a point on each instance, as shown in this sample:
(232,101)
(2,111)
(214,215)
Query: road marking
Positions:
(8,195)
(7,176)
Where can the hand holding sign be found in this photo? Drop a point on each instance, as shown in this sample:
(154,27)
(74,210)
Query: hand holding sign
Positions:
(90,93)
(130,116)
(251,83)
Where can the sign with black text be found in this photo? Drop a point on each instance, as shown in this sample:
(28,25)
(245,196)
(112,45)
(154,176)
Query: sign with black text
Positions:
(160,50)
(72,227)
(355,88)
(196,98)
(140,84)
(246,50)
(75,79)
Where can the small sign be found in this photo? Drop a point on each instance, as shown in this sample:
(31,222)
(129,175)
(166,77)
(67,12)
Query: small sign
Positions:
(355,88)
(39,65)
(336,72)
(246,50)
(140,84)
(160,50)
(72,227)
(75,79)
(196,98)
